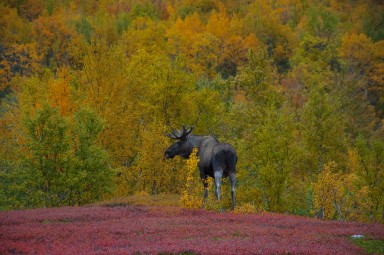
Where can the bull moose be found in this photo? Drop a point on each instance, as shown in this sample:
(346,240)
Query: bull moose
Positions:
(216,159)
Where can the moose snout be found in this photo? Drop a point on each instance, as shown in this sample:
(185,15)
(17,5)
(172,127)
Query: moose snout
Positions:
(168,155)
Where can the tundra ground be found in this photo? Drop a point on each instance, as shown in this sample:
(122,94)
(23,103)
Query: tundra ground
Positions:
(122,228)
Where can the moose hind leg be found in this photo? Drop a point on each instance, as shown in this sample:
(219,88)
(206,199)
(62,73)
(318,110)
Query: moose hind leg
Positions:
(218,175)
(232,180)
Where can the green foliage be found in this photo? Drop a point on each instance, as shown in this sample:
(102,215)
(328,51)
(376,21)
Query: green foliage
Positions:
(62,164)
(122,22)
(50,5)
(373,21)
(256,78)
(84,27)
(48,154)
(323,130)
(143,10)
(371,170)
(274,152)
(322,22)
(90,175)
(13,180)
(371,246)
(153,173)
(267,147)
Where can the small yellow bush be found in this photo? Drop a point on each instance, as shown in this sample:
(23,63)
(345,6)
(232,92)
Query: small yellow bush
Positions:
(249,208)
(327,191)
(192,194)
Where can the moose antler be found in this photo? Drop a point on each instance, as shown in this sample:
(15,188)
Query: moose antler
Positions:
(180,135)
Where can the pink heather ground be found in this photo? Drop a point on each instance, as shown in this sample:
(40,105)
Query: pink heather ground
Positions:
(155,230)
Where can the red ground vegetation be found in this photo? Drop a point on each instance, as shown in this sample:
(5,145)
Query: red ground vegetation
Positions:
(155,230)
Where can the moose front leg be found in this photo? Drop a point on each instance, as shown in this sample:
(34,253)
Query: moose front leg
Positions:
(204,180)
(205,183)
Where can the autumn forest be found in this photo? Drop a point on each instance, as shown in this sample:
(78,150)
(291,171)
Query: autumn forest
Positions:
(89,90)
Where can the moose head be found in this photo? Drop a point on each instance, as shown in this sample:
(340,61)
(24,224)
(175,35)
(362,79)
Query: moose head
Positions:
(182,147)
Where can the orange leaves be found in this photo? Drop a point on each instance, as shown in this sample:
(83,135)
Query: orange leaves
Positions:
(13,29)
(182,37)
(205,55)
(219,25)
(59,93)
(210,48)
(377,72)
(187,29)
(183,33)
(357,49)
(52,37)
(147,34)
(359,52)
(235,48)
(56,92)
(18,59)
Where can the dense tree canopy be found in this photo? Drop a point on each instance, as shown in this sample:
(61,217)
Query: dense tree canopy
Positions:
(89,88)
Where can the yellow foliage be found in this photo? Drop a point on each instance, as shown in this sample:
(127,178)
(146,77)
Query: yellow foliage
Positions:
(124,182)
(341,196)
(191,196)
(359,51)
(354,202)
(353,160)
(248,208)
(357,48)
(59,93)
(327,191)
(152,171)
(18,59)
(219,24)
